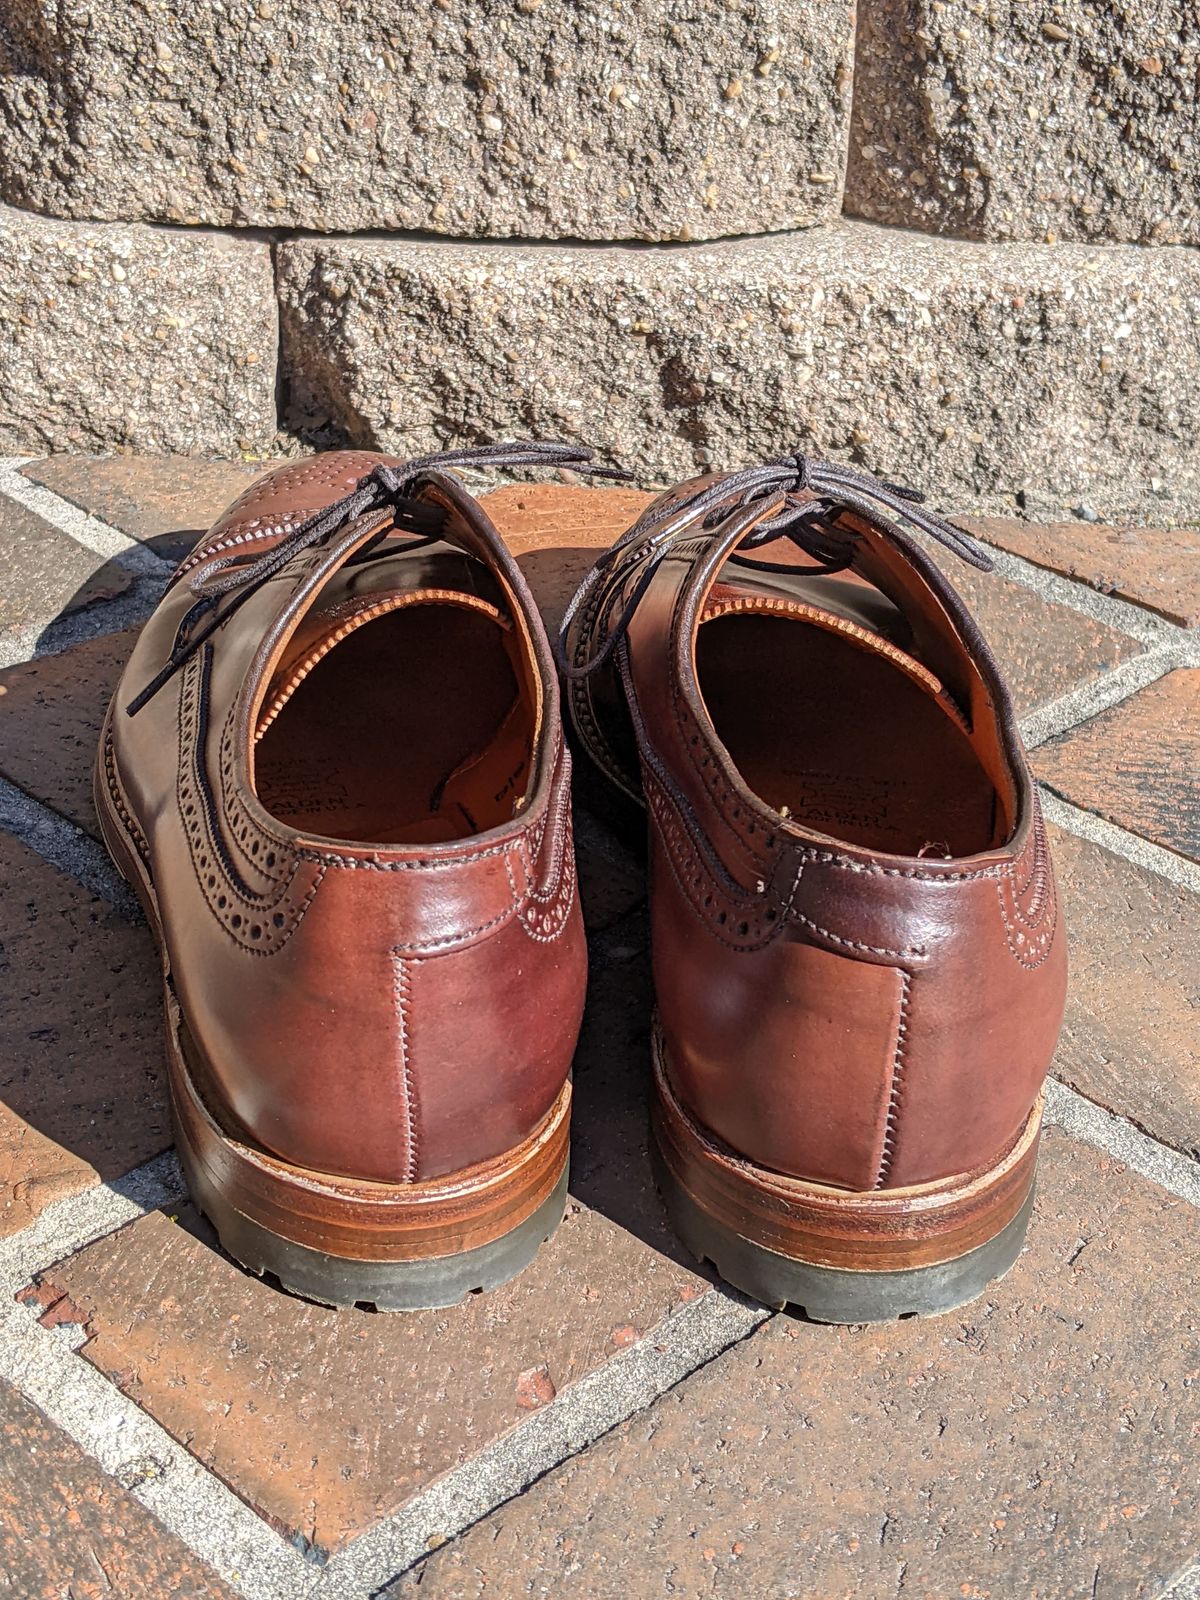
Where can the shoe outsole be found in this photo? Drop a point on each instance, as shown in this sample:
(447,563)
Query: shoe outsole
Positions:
(833,1294)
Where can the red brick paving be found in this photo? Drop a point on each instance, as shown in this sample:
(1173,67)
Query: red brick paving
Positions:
(51,710)
(1045,649)
(81,1086)
(1041,1442)
(325,1421)
(1154,567)
(1131,1039)
(69,1532)
(1137,763)
(45,573)
(166,501)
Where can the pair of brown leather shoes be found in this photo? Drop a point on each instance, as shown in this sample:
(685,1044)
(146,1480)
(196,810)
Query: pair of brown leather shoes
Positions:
(335,771)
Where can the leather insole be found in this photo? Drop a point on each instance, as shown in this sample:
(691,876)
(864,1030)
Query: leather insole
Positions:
(410,730)
(830,732)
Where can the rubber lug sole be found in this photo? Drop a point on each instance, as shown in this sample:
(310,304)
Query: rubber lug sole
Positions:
(834,1294)
(430,1284)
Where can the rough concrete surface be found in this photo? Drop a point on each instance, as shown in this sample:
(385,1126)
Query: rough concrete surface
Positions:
(157,338)
(977,372)
(661,120)
(1078,119)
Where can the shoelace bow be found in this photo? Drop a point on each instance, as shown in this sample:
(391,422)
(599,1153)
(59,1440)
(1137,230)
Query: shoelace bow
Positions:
(657,532)
(384,488)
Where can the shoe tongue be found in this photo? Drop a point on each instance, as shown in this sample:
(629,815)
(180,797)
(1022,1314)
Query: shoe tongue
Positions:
(324,627)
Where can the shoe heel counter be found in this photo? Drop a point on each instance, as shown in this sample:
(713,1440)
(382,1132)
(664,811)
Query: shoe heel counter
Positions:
(871,1027)
(982,1021)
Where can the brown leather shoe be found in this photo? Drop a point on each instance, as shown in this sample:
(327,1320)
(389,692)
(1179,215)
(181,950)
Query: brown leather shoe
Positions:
(858,957)
(334,771)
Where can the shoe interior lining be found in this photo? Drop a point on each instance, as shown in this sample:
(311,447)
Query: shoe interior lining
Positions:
(839,730)
(404,723)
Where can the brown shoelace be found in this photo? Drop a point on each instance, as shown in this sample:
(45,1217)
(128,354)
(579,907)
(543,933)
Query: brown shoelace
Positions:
(807,525)
(384,489)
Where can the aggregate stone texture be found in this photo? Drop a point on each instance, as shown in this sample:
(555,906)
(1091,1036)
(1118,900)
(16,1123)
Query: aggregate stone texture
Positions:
(166,502)
(1075,120)
(1130,1039)
(81,1086)
(324,1421)
(70,1532)
(1155,567)
(1136,763)
(51,711)
(163,339)
(45,573)
(977,372)
(1040,1442)
(661,120)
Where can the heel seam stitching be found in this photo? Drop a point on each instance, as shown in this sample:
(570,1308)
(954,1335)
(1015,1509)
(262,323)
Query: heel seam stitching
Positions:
(891,1122)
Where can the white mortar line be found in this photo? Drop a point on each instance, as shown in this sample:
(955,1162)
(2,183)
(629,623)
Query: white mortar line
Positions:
(1103,1130)
(1120,842)
(68,1225)
(193,1503)
(76,523)
(1124,615)
(189,1500)
(54,632)
(1113,686)
(184,1496)
(1184,1586)
(65,846)
(626,1384)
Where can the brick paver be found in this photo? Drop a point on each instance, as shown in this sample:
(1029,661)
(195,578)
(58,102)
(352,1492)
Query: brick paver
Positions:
(165,501)
(81,1091)
(325,1421)
(1043,649)
(1040,1442)
(47,574)
(1155,567)
(1131,1039)
(51,710)
(69,1532)
(1137,763)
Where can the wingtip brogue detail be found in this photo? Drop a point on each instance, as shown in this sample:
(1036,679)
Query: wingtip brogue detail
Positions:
(334,771)
(858,958)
